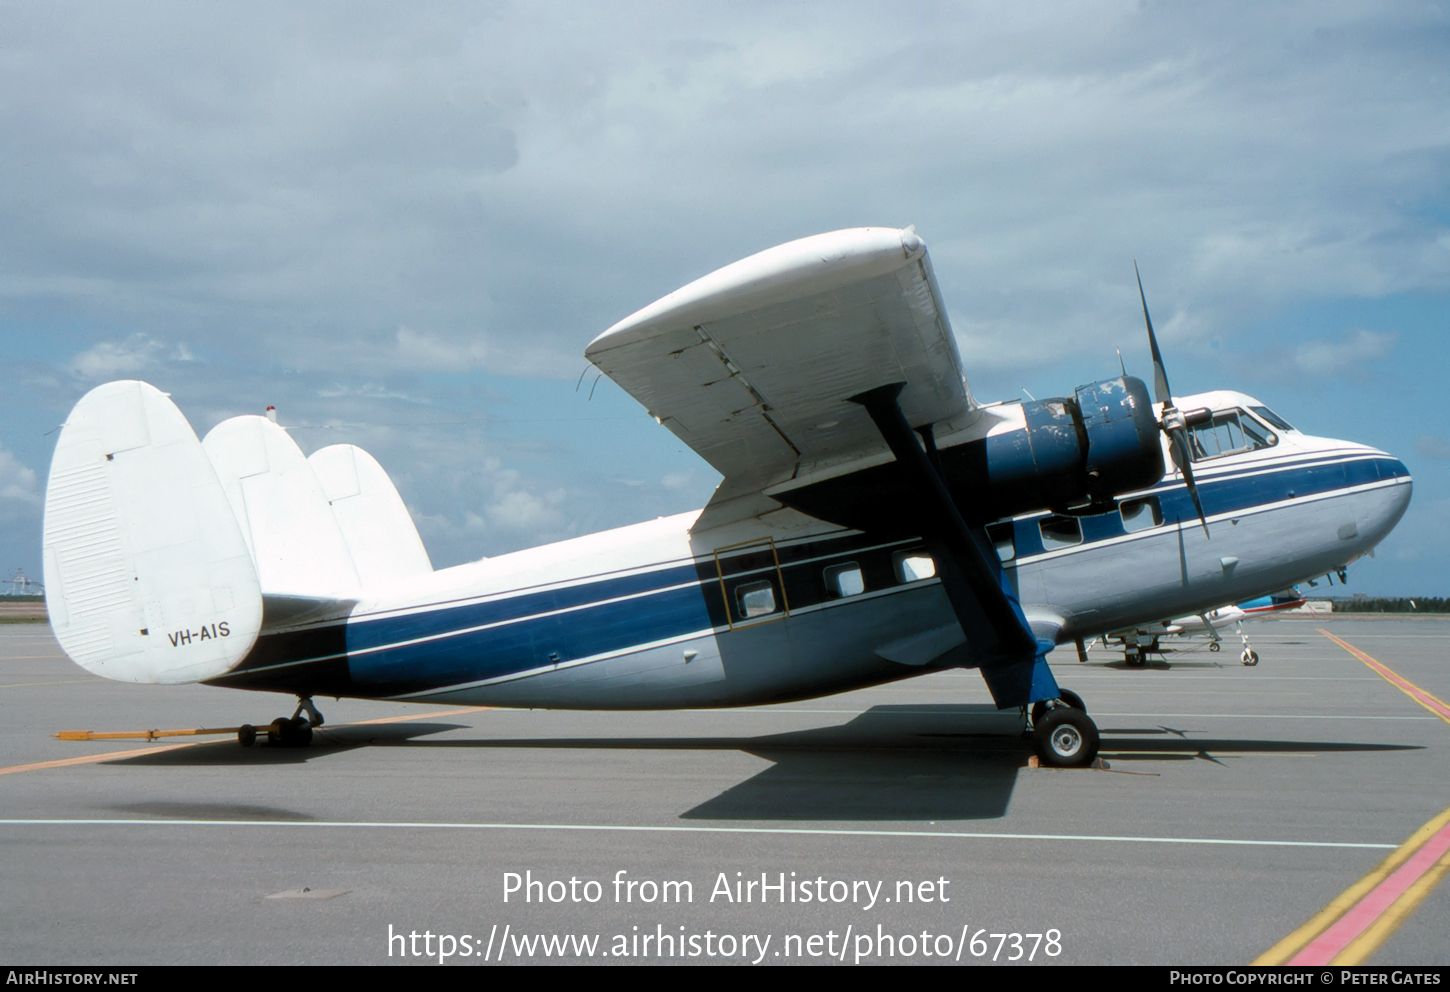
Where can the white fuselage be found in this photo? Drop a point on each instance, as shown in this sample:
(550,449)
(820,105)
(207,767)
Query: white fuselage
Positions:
(667,614)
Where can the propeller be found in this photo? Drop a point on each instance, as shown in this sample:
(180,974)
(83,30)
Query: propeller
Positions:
(1174,422)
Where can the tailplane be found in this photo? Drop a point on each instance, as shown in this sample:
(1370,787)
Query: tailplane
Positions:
(166,557)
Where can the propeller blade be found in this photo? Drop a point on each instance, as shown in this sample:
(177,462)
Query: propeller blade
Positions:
(1185,462)
(1161,392)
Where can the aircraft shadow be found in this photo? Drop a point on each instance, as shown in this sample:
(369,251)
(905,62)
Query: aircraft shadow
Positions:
(208,811)
(326,741)
(890,763)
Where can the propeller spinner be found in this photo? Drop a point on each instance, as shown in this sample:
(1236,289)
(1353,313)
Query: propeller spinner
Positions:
(1174,422)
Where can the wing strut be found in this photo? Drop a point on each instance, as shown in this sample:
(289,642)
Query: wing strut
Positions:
(987,608)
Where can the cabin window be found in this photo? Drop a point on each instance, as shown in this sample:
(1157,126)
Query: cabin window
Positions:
(1002,539)
(913,566)
(756,599)
(1228,433)
(845,580)
(1140,514)
(1060,532)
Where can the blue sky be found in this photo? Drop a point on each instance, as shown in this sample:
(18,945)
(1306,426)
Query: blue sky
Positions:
(402,224)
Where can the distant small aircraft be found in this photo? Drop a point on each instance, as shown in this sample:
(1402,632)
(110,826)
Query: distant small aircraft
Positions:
(874,522)
(1139,642)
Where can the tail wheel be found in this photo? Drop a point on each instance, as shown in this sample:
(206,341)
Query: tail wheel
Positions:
(1250,657)
(1066,738)
(246,735)
(296,732)
(1213,646)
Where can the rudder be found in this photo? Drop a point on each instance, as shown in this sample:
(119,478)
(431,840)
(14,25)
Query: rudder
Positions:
(147,575)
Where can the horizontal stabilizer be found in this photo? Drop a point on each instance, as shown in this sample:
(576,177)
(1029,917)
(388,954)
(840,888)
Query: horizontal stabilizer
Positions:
(379,533)
(147,575)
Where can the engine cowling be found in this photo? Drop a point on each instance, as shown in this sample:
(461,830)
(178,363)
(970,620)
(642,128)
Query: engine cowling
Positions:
(1072,454)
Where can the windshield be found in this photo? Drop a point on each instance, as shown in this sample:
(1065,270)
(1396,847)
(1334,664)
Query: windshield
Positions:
(1272,418)
(1228,432)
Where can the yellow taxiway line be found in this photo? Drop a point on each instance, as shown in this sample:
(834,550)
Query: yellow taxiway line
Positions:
(1361,918)
(88,759)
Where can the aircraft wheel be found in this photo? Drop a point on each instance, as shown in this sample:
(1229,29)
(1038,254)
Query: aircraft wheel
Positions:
(1135,659)
(1250,657)
(283,732)
(1213,646)
(246,735)
(1066,738)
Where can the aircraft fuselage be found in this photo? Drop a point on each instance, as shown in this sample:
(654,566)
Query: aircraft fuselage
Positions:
(668,614)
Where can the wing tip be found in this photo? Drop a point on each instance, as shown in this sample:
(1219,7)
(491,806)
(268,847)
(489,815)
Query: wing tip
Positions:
(796,268)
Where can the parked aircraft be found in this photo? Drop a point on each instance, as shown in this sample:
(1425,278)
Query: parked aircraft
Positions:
(1139,642)
(874,522)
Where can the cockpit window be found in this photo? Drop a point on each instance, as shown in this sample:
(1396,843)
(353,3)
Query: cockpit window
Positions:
(1229,432)
(1271,418)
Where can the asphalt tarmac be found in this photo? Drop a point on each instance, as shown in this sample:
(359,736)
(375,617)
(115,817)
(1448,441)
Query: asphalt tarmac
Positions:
(904,823)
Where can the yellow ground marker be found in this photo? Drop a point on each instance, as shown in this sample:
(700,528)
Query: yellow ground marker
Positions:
(92,758)
(113,755)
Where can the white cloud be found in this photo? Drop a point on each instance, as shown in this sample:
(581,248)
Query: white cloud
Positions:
(1332,358)
(515,178)
(117,359)
(17,481)
(524,511)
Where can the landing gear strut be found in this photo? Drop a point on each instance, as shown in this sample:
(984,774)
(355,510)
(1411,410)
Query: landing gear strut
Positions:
(282,732)
(985,603)
(1248,656)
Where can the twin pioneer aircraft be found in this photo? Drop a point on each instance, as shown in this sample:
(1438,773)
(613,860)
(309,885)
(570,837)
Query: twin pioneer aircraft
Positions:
(874,522)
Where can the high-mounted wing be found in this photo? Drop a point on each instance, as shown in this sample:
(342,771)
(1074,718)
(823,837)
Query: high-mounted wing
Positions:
(753,365)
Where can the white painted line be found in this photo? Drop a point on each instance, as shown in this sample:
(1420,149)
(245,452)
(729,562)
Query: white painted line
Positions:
(614,828)
(945,710)
(1259,716)
(1185,676)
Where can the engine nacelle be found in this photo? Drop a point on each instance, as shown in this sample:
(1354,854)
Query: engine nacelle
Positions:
(1086,449)
(1072,454)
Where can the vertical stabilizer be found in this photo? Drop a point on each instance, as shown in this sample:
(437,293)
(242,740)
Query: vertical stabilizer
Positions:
(380,534)
(147,576)
(284,517)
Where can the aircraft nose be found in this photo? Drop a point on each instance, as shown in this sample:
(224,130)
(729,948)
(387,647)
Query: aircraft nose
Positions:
(1388,501)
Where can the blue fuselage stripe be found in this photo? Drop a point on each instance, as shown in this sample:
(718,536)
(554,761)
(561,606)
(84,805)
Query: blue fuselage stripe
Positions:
(453,645)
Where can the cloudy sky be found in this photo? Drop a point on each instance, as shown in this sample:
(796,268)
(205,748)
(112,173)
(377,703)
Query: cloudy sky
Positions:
(402,223)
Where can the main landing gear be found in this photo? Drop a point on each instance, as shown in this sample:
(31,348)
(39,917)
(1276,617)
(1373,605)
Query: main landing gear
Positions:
(1248,656)
(1063,735)
(282,732)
